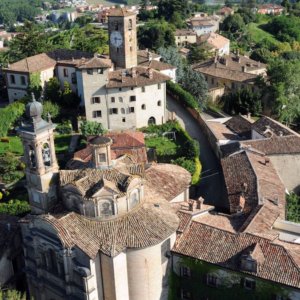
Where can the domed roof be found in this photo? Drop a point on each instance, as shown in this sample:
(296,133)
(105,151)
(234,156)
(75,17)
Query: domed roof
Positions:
(34,109)
(100,140)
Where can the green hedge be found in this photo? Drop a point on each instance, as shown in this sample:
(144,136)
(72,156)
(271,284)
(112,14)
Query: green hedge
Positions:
(180,94)
(9,115)
(14,207)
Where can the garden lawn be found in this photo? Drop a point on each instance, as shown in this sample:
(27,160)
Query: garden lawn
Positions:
(14,145)
(62,143)
(163,145)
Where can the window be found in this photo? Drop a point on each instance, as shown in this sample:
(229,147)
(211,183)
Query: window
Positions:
(143,89)
(165,250)
(248,284)
(130,24)
(96,100)
(118,50)
(113,111)
(132,88)
(97,114)
(73,78)
(212,81)
(158,103)
(90,71)
(66,73)
(159,86)
(100,71)
(130,48)
(132,98)
(120,89)
(232,85)
(116,25)
(120,99)
(185,295)
(12,79)
(143,106)
(102,157)
(112,99)
(23,80)
(211,280)
(123,120)
(185,272)
(52,261)
(123,111)
(131,109)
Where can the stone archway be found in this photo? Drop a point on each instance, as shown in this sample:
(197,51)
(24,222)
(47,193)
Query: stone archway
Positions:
(151,121)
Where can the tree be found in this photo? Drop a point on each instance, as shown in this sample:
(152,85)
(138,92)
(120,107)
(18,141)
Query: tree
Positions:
(242,101)
(194,82)
(293,208)
(171,56)
(284,78)
(91,128)
(11,295)
(233,23)
(197,53)
(69,99)
(51,109)
(30,41)
(167,8)
(52,90)
(154,35)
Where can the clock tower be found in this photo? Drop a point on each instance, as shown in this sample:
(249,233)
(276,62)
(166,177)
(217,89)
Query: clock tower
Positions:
(122,38)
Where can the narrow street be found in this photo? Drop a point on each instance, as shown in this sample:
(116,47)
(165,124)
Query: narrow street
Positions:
(211,187)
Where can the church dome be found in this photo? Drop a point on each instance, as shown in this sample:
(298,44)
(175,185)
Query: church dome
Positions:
(34,109)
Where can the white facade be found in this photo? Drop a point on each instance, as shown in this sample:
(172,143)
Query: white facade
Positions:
(67,74)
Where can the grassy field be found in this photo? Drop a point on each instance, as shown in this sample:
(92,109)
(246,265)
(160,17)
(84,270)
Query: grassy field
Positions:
(14,145)
(257,34)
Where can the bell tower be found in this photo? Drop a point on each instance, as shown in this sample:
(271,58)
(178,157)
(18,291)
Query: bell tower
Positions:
(122,38)
(39,154)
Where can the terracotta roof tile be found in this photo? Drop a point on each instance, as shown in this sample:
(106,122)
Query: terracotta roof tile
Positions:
(157,65)
(144,76)
(214,40)
(224,249)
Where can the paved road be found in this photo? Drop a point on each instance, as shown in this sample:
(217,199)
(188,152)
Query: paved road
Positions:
(211,187)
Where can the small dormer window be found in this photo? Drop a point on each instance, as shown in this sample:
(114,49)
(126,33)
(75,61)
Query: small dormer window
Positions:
(248,263)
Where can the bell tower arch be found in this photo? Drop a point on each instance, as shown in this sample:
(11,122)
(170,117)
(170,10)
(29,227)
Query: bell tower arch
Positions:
(39,154)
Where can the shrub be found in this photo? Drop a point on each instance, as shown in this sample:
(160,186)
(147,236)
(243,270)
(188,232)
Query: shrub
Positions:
(14,207)
(9,115)
(91,128)
(64,128)
(188,164)
(180,94)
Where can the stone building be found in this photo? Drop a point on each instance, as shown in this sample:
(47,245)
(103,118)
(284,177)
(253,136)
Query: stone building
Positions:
(99,232)
(125,91)
(215,43)
(184,37)
(204,24)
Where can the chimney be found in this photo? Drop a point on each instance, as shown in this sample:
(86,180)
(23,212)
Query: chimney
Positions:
(133,72)
(199,202)
(191,208)
(123,75)
(149,56)
(150,73)
(244,69)
(249,116)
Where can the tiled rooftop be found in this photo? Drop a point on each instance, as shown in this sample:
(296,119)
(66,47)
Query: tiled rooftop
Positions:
(224,248)
(135,77)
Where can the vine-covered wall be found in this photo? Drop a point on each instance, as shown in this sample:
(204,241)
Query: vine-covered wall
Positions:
(230,283)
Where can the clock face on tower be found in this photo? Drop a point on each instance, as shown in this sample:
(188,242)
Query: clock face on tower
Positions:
(116,39)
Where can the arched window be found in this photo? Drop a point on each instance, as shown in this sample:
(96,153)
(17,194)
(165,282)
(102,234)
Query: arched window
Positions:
(32,158)
(123,111)
(158,103)
(151,121)
(46,155)
(143,106)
